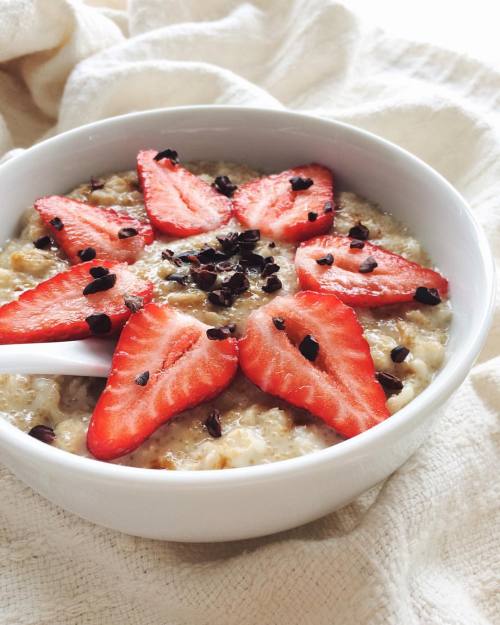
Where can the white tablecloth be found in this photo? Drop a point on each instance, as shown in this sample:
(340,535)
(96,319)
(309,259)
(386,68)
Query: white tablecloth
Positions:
(421,548)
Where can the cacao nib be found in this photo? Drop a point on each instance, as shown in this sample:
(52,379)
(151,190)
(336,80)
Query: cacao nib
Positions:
(301,184)
(172,156)
(100,284)
(213,424)
(99,323)
(224,185)
(43,433)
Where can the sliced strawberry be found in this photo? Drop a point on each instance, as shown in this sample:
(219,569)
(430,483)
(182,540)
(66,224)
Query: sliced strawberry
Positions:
(367,276)
(338,383)
(271,204)
(164,363)
(57,309)
(178,202)
(78,227)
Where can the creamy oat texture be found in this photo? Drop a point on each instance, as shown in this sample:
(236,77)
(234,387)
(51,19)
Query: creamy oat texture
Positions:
(257,428)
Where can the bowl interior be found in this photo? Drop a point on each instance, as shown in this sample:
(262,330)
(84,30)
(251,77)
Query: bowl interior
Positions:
(272,140)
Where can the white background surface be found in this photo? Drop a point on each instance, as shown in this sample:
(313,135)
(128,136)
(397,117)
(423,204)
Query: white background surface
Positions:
(471,27)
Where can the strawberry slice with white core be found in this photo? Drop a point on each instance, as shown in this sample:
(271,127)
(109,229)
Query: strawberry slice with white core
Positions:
(291,206)
(85,232)
(362,276)
(58,310)
(164,363)
(179,203)
(309,350)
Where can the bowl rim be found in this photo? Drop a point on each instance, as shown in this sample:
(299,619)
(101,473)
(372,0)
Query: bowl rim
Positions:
(452,374)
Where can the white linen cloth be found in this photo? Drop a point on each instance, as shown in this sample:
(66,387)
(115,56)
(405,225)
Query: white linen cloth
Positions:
(421,548)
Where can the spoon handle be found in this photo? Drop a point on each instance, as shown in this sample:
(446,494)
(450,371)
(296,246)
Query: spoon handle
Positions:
(88,357)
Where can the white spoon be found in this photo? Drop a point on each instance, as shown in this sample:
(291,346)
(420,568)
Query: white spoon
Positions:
(89,357)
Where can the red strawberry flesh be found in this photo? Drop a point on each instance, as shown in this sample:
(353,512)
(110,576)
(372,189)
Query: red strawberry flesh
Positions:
(393,280)
(80,226)
(55,310)
(179,203)
(271,204)
(184,366)
(338,385)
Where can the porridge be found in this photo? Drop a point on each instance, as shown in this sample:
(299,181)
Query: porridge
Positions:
(406,340)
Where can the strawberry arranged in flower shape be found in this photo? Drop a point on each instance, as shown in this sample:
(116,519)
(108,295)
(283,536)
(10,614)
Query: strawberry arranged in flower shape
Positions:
(86,232)
(164,363)
(179,203)
(88,299)
(309,350)
(362,274)
(291,206)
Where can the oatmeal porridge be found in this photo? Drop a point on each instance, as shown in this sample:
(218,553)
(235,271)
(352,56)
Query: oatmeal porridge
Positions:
(257,427)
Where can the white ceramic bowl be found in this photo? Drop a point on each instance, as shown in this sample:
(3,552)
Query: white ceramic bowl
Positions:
(253,501)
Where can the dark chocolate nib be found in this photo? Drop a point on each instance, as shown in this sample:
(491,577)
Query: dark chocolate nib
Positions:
(273,283)
(133,302)
(88,253)
(390,383)
(219,334)
(368,265)
(43,243)
(99,323)
(96,184)
(249,235)
(98,272)
(427,296)
(357,245)
(126,233)
(251,259)
(399,353)
(325,260)
(300,184)
(100,284)
(229,243)
(172,156)
(142,378)
(56,223)
(309,347)
(269,269)
(221,297)
(359,231)
(213,425)
(279,323)
(43,433)
(237,283)
(180,278)
(203,278)
(224,185)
